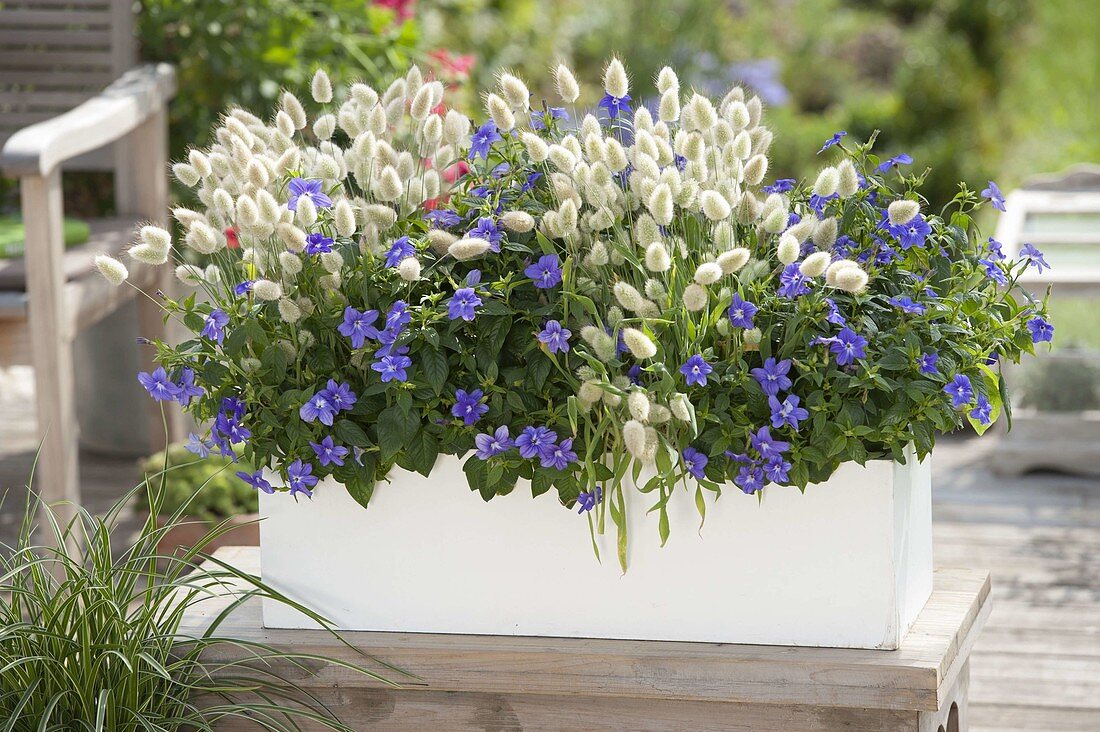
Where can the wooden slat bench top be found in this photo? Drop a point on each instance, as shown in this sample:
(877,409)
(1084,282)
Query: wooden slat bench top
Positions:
(919,677)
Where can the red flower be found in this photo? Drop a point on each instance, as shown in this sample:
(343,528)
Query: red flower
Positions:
(231,238)
(456,171)
(403,8)
(451,65)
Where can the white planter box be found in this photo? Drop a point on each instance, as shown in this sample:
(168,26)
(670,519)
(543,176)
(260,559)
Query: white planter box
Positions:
(847,564)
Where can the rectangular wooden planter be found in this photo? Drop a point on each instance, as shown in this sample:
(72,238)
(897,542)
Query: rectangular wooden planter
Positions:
(847,564)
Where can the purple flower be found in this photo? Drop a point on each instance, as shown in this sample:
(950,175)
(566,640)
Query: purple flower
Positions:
(198,446)
(960,391)
(894,162)
(244,287)
(442,218)
(545,273)
(615,105)
(913,233)
(993,271)
(1041,330)
(768,447)
(558,456)
(587,501)
(187,388)
(886,254)
(318,243)
(534,441)
(740,312)
(834,315)
(234,406)
(776,469)
(532,178)
(491,445)
(482,139)
(398,316)
(786,412)
(488,230)
(782,185)
(358,326)
(792,283)
(927,363)
(834,140)
(906,305)
(468,406)
(848,346)
(300,478)
(159,386)
(993,194)
(555,337)
(634,373)
(231,429)
(307,188)
(400,249)
(1034,257)
(738,457)
(462,304)
(750,479)
(695,370)
(996,252)
(817,203)
(695,462)
(772,376)
(213,325)
(340,396)
(256,480)
(329,453)
(983,412)
(539,119)
(318,407)
(392,367)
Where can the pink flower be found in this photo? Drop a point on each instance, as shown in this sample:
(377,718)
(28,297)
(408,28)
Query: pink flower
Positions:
(403,8)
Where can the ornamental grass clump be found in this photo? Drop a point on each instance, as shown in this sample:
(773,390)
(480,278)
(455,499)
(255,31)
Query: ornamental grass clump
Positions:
(415,283)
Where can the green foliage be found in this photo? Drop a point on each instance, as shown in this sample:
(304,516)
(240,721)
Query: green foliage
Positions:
(93,640)
(1062,383)
(208,488)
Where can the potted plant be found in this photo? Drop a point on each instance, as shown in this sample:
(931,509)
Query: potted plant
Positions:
(613,311)
(206,493)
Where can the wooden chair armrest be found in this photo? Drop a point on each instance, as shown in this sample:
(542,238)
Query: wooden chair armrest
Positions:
(126,103)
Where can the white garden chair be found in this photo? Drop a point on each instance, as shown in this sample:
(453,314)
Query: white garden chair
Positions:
(72,98)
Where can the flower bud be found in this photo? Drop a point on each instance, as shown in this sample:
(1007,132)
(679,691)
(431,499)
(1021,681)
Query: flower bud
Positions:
(112,270)
(789,248)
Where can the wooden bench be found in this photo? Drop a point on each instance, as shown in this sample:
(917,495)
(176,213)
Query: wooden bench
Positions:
(70,97)
(516,683)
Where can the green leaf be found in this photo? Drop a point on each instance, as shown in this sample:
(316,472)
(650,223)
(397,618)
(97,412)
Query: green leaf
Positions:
(274,361)
(348,433)
(420,454)
(435,367)
(395,428)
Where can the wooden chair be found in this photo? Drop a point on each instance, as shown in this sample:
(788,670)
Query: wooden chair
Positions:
(71,97)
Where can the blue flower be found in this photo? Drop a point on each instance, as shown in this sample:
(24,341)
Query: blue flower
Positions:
(993,271)
(307,188)
(329,453)
(615,105)
(834,315)
(983,412)
(782,185)
(546,272)
(776,469)
(1041,330)
(392,367)
(399,250)
(993,194)
(198,446)
(482,139)
(358,326)
(695,462)
(213,325)
(886,254)
(772,376)
(532,178)
(318,407)
(318,243)
(834,140)
(256,480)
(340,396)
(913,233)
(792,283)
(234,406)
(442,218)
(533,441)
(817,203)
(491,445)
(960,391)
(462,304)
(300,478)
(843,246)
(750,479)
(398,316)
(786,412)
(768,447)
(187,389)
(894,162)
(848,346)
(926,363)
(488,230)
(1034,257)
(695,370)
(906,305)
(244,287)
(558,456)
(555,337)
(740,312)
(587,501)
(468,406)
(539,119)
(634,373)
(231,429)
(996,252)
(159,386)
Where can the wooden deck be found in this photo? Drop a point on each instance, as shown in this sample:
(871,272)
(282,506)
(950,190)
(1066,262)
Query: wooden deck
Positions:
(1035,667)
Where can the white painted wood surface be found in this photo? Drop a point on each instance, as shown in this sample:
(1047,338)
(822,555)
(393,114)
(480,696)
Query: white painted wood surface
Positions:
(847,564)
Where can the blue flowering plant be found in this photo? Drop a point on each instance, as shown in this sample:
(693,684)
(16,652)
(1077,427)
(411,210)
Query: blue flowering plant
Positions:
(613,305)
